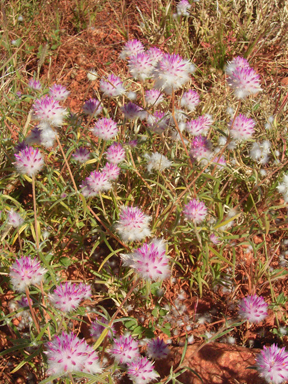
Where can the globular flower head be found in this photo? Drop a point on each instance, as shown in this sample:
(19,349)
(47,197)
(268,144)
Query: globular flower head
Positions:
(141,371)
(42,135)
(112,86)
(149,261)
(260,151)
(125,349)
(66,353)
(112,171)
(172,72)
(243,127)
(29,161)
(214,239)
(132,111)
(155,54)
(157,349)
(253,309)
(25,272)
(105,129)
(48,110)
(199,126)
(158,122)
(153,97)
(58,92)
(14,219)
(283,188)
(92,75)
(220,162)
(68,296)
(195,211)
(131,48)
(244,81)
(92,107)
(141,66)
(190,100)
(35,84)
(183,8)
(115,153)
(81,154)
(133,224)
(272,364)
(96,182)
(200,148)
(157,161)
(97,328)
(237,62)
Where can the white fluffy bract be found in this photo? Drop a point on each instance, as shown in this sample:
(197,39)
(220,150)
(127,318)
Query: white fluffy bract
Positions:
(283,188)
(157,161)
(25,272)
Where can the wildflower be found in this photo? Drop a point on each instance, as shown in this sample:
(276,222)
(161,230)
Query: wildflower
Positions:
(283,188)
(125,349)
(25,272)
(158,122)
(35,84)
(112,86)
(219,161)
(131,48)
(253,309)
(260,152)
(15,219)
(96,182)
(195,211)
(105,129)
(272,364)
(190,100)
(155,54)
(214,239)
(131,111)
(243,127)
(200,148)
(157,349)
(132,95)
(67,353)
(29,161)
(92,107)
(237,62)
(68,296)
(141,371)
(115,153)
(199,126)
(47,136)
(58,92)
(48,110)
(172,72)
(153,97)
(133,224)
(183,8)
(92,75)
(149,261)
(112,171)
(157,161)
(97,328)
(81,154)
(141,66)
(244,81)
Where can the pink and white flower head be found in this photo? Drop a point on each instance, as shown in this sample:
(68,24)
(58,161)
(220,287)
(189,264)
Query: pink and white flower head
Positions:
(29,161)
(82,155)
(141,66)
(92,107)
(272,364)
(58,92)
(14,219)
(190,100)
(172,72)
(125,349)
(199,126)
(150,261)
(133,224)
(132,111)
(157,349)
(47,136)
(183,8)
(96,182)
(214,239)
(195,211)
(153,97)
(35,84)
(68,296)
(66,353)
(244,82)
(158,122)
(105,129)
(141,371)
(112,171)
(243,127)
(25,272)
(219,161)
(157,161)
(155,54)
(97,328)
(131,48)
(115,154)
(112,86)
(200,148)
(253,308)
(237,62)
(48,111)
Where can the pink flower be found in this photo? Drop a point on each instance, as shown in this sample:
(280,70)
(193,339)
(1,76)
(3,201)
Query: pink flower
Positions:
(272,364)
(243,127)
(68,296)
(48,111)
(244,81)
(112,86)
(81,154)
(133,224)
(131,48)
(141,66)
(115,154)
(96,182)
(92,107)
(200,148)
(58,92)
(155,54)
(105,129)
(183,8)
(141,371)
(97,328)
(132,111)
(29,161)
(253,309)
(214,239)
(35,84)
(125,349)
(112,171)
(25,272)
(15,219)
(237,62)
(190,100)
(195,211)
(200,126)
(153,97)
(158,122)
(157,349)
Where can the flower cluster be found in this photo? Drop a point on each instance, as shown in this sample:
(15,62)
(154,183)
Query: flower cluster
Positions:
(29,161)
(25,272)
(81,154)
(92,107)
(199,126)
(183,8)
(133,224)
(14,219)
(157,161)
(190,100)
(112,86)
(242,128)
(125,349)
(96,182)
(49,112)
(195,211)
(68,296)
(157,349)
(253,308)
(105,129)
(115,154)
(58,92)
(272,364)
(141,371)
(131,48)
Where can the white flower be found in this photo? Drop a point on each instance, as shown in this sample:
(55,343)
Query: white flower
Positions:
(283,188)
(157,161)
